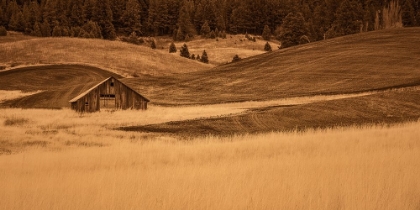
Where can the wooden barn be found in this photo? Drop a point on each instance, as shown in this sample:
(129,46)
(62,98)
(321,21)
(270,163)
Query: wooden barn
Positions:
(110,93)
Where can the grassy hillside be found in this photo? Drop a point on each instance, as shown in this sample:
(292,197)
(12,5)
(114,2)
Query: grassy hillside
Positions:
(58,84)
(386,107)
(367,61)
(116,56)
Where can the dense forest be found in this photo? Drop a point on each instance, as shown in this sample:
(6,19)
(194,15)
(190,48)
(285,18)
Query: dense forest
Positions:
(308,20)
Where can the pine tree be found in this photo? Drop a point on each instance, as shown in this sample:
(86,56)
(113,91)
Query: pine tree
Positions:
(212,35)
(408,14)
(37,30)
(266,33)
(236,58)
(102,14)
(184,21)
(56,31)
(205,30)
(153,44)
(267,47)
(184,51)
(348,20)
(75,13)
(216,32)
(172,48)
(3,31)
(45,29)
(204,57)
(131,17)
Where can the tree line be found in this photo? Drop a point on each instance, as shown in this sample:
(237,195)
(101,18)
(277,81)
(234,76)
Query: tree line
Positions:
(311,20)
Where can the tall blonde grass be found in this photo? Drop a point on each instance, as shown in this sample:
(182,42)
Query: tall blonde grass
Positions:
(347,168)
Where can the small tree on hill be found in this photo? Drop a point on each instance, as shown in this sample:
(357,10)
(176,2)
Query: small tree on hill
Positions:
(204,57)
(184,51)
(198,57)
(193,57)
(172,48)
(236,58)
(153,44)
(266,33)
(267,47)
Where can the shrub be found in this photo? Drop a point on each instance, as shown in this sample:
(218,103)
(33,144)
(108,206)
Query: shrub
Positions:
(184,51)
(236,58)
(192,57)
(267,47)
(172,48)
(3,31)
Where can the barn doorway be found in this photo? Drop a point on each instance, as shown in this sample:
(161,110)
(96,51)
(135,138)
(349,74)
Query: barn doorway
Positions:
(108,101)
(107,98)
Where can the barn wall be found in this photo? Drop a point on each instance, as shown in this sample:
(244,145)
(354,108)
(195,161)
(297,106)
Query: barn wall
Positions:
(125,97)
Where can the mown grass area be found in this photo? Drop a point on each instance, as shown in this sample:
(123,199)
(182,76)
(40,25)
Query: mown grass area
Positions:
(368,61)
(381,108)
(347,168)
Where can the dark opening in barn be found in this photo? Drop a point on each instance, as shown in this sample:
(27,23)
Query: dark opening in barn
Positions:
(109,94)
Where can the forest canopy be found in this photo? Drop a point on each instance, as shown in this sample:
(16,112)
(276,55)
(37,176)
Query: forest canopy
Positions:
(183,19)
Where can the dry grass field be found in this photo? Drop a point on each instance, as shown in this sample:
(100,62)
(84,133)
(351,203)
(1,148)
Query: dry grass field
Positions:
(346,168)
(119,57)
(326,125)
(362,62)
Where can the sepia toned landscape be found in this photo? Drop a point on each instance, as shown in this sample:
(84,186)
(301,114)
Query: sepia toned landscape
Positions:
(213,111)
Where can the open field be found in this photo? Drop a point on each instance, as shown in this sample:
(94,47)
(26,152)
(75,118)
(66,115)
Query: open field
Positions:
(347,168)
(362,62)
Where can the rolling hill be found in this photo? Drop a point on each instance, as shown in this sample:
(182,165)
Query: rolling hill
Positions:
(382,108)
(367,61)
(57,83)
(119,57)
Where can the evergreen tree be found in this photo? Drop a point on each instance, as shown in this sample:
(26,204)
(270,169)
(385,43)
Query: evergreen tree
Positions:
(205,30)
(184,21)
(56,31)
(92,29)
(153,44)
(184,51)
(179,35)
(75,13)
(204,57)
(266,33)
(131,17)
(216,32)
(172,48)
(408,14)
(102,15)
(192,57)
(212,35)
(348,19)
(236,58)
(3,31)
(36,30)
(198,58)
(45,29)
(17,22)
(267,47)
(292,29)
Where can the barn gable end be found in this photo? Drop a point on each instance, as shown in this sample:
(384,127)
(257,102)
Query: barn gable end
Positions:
(110,93)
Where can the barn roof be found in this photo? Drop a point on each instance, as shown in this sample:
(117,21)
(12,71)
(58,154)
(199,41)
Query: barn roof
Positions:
(92,88)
